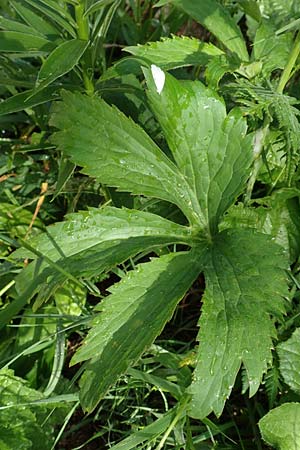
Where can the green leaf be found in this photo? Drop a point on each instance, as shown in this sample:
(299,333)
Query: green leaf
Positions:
(112,148)
(100,4)
(149,432)
(210,148)
(14,41)
(105,228)
(13,25)
(30,425)
(273,51)
(131,318)
(89,243)
(280,428)
(213,16)
(277,216)
(289,357)
(60,61)
(28,99)
(251,8)
(174,52)
(245,283)
(34,20)
(54,12)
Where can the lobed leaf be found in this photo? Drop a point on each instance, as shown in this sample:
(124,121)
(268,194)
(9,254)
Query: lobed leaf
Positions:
(210,148)
(131,318)
(245,284)
(112,148)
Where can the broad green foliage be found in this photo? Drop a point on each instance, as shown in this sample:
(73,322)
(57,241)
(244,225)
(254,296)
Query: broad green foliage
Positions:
(209,147)
(289,357)
(122,154)
(244,270)
(186,190)
(91,242)
(230,327)
(280,428)
(25,425)
(130,319)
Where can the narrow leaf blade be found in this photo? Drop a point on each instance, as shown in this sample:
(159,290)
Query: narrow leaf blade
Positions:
(63,59)
(131,318)
(15,41)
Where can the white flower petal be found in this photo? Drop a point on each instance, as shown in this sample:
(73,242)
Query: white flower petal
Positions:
(159,77)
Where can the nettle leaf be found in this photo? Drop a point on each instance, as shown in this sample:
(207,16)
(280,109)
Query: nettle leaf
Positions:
(170,53)
(216,18)
(280,428)
(289,357)
(131,318)
(245,284)
(210,148)
(112,148)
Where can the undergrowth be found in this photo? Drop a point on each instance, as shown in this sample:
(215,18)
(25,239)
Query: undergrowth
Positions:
(150,223)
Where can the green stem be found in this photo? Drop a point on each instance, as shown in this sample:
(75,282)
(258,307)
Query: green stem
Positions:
(259,141)
(179,414)
(83,34)
(286,74)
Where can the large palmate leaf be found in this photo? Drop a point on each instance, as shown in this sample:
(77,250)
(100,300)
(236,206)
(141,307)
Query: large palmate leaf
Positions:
(212,15)
(112,148)
(210,148)
(245,283)
(131,318)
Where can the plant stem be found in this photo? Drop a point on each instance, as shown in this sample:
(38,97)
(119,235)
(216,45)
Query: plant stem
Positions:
(259,141)
(83,34)
(178,416)
(286,74)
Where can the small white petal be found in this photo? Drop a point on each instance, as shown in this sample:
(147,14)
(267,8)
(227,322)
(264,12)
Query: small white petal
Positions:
(159,77)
